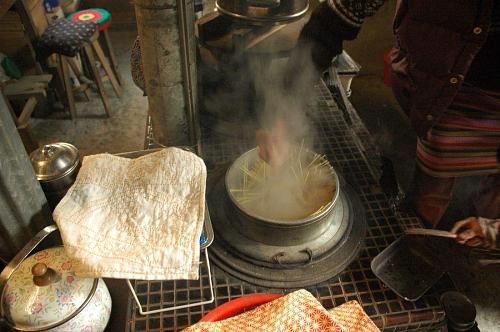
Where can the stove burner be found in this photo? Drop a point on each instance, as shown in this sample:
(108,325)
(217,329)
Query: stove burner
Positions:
(285,266)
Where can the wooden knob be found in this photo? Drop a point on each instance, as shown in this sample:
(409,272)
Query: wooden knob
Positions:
(43,275)
(39,269)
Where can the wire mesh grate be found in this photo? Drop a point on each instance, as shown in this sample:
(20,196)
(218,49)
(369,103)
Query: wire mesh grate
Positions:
(357,162)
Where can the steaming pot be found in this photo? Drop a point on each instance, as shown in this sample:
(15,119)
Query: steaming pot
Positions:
(263,10)
(41,293)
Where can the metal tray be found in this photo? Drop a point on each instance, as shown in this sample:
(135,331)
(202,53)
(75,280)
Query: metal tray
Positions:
(408,267)
(207,236)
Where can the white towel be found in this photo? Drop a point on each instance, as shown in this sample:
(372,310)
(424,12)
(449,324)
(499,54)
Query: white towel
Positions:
(135,218)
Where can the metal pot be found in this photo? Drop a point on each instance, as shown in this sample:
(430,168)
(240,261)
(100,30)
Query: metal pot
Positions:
(263,10)
(272,231)
(56,166)
(40,293)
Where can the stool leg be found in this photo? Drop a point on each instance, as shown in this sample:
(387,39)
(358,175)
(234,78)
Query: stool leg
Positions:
(97,77)
(68,86)
(105,63)
(79,75)
(112,57)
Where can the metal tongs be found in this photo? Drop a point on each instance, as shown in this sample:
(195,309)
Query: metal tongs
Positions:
(430,232)
(486,256)
(483,256)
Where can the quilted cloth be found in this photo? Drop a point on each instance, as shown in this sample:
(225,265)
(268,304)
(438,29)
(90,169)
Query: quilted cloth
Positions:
(135,218)
(65,37)
(297,311)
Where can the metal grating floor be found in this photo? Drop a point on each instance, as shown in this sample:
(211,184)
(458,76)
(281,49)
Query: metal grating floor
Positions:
(350,152)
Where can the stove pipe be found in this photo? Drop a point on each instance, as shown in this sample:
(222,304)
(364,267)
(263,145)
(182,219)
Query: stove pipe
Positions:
(166,31)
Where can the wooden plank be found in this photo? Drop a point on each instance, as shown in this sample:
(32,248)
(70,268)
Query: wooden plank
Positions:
(11,21)
(28,109)
(30,4)
(5,6)
(11,42)
(38,19)
(27,86)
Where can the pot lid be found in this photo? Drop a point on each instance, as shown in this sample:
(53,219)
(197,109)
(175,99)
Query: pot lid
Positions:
(54,160)
(43,292)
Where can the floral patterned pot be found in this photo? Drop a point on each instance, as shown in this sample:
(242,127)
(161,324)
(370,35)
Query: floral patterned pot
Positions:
(41,293)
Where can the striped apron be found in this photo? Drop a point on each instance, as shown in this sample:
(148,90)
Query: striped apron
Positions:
(466,139)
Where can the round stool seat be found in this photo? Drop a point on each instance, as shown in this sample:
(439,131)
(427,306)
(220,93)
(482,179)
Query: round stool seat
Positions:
(97,15)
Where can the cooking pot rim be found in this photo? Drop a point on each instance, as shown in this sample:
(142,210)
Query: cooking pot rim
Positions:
(276,222)
(44,179)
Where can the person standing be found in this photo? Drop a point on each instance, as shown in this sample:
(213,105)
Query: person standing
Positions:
(446,77)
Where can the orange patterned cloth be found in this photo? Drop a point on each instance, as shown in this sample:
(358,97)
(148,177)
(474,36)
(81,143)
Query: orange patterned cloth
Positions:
(353,318)
(298,311)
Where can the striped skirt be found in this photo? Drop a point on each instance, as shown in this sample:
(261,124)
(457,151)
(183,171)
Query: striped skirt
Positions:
(466,139)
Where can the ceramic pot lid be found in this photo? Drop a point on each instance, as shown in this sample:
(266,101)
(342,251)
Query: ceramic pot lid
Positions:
(55,160)
(43,292)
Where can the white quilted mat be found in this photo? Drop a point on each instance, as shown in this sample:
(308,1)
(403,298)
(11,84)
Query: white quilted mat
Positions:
(135,218)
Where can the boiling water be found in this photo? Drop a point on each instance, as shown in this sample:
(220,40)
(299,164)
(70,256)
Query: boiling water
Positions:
(299,189)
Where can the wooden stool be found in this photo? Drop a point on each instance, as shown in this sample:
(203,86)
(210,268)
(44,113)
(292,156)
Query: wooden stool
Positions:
(65,63)
(30,90)
(66,39)
(93,52)
(103,19)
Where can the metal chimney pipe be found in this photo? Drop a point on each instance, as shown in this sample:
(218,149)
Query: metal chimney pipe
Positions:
(166,31)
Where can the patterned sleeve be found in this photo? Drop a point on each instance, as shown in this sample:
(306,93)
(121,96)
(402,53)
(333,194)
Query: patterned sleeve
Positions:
(353,12)
(490,228)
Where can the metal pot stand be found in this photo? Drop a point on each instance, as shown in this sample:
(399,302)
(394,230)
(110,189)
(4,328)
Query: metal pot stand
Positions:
(290,266)
(206,240)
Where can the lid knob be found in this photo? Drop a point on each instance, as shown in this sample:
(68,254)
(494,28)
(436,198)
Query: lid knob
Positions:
(43,275)
(48,151)
(39,269)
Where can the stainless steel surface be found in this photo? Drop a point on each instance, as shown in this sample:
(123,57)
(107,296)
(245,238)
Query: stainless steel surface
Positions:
(271,231)
(56,167)
(286,264)
(54,161)
(268,11)
(408,266)
(234,177)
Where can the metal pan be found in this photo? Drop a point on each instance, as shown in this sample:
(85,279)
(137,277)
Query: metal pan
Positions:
(408,266)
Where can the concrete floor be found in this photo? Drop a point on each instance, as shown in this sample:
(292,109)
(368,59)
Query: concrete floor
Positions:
(92,133)
(124,131)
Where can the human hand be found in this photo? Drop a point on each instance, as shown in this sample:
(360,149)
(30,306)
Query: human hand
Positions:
(273,145)
(469,232)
